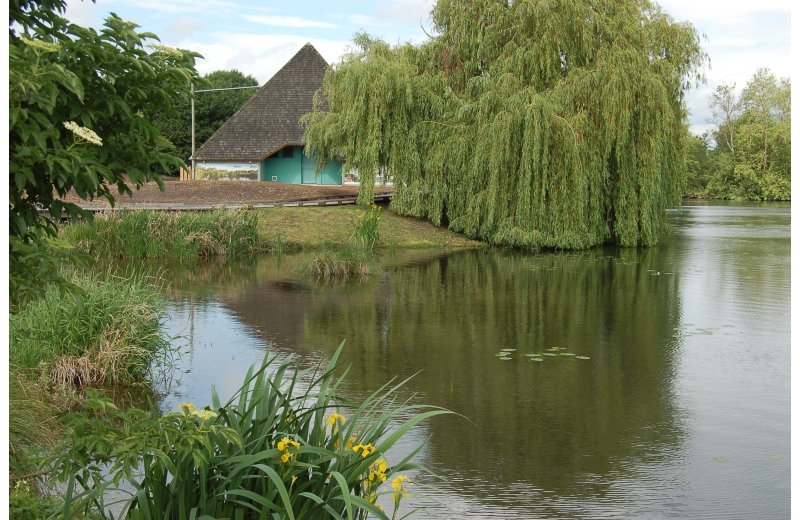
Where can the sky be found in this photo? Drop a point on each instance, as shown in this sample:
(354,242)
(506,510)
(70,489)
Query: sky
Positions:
(257,38)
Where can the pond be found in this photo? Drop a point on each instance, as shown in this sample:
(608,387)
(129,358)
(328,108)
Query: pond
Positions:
(681,410)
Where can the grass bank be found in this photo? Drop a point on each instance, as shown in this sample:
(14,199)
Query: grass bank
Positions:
(107,334)
(321,227)
(136,234)
(105,331)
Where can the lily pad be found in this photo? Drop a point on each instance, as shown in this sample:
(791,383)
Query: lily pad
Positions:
(549,354)
(720,458)
(537,359)
(582,357)
(566,354)
(508,350)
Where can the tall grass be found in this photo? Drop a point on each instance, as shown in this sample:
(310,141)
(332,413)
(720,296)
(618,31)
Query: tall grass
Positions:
(333,265)
(107,334)
(165,234)
(283,447)
(366,231)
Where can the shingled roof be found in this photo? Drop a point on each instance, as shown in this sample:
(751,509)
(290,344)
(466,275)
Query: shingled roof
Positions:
(270,120)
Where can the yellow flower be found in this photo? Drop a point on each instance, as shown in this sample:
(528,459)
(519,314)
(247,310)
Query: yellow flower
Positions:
(336,417)
(365,449)
(377,471)
(399,486)
(205,414)
(284,445)
(187,407)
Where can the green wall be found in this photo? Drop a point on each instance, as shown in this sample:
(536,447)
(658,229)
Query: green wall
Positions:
(289,169)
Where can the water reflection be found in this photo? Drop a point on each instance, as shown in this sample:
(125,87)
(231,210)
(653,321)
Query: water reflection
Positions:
(633,431)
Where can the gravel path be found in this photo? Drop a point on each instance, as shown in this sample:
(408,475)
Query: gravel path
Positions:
(224,192)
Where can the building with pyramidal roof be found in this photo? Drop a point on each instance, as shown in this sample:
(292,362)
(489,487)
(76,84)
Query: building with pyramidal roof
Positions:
(265,135)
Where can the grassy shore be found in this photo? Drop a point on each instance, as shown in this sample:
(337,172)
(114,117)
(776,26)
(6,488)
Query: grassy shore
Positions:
(312,228)
(136,234)
(105,335)
(105,332)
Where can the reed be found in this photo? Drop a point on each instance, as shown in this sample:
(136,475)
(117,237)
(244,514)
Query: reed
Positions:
(333,265)
(105,334)
(165,234)
(285,446)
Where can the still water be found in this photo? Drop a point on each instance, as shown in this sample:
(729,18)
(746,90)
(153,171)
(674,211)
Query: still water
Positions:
(681,411)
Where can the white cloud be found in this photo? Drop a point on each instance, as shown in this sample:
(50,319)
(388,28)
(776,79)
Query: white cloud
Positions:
(85,14)
(400,11)
(290,21)
(694,10)
(185,25)
(741,37)
(257,54)
(184,6)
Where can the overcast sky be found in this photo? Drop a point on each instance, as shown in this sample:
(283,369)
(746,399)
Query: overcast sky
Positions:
(257,38)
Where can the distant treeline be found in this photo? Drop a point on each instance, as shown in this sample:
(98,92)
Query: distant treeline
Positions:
(747,155)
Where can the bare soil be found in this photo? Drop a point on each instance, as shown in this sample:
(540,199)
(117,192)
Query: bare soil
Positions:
(225,192)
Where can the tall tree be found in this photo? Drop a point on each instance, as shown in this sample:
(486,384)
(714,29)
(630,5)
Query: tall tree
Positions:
(528,123)
(212,109)
(758,121)
(79,108)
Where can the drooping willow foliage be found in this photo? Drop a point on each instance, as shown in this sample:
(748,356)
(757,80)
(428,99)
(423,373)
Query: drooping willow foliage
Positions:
(533,123)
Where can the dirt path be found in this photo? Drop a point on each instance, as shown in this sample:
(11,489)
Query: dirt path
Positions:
(224,192)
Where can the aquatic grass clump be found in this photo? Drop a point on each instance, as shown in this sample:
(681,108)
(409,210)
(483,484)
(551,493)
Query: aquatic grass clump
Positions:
(106,334)
(163,234)
(365,231)
(330,265)
(285,446)
(31,422)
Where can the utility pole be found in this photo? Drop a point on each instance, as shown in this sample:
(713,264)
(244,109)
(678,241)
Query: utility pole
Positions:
(194,169)
(193,91)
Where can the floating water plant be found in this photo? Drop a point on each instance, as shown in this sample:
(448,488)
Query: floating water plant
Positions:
(582,357)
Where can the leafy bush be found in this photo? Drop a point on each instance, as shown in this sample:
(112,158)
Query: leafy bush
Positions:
(282,447)
(70,127)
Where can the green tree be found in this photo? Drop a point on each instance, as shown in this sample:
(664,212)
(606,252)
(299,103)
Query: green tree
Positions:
(212,109)
(698,164)
(528,123)
(752,156)
(80,104)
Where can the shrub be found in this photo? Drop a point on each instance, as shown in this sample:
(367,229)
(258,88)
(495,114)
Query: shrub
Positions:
(283,447)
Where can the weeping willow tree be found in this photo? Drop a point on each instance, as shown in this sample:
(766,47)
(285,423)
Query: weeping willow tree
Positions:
(532,123)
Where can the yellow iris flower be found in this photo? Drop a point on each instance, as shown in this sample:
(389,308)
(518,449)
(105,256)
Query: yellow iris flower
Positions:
(336,417)
(365,449)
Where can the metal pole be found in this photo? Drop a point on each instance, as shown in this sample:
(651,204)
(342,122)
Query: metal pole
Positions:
(194,170)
